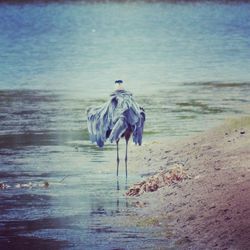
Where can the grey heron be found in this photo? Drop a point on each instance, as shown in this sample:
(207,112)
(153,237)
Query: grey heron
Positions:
(119,117)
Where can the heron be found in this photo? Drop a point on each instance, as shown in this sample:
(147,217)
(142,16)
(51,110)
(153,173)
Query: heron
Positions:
(119,117)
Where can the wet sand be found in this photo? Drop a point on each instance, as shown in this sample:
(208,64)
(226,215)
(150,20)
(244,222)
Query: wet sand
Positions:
(208,210)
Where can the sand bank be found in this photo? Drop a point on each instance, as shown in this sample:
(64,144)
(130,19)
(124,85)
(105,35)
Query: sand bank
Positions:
(211,208)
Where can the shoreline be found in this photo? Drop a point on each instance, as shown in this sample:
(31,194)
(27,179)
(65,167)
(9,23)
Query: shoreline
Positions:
(211,208)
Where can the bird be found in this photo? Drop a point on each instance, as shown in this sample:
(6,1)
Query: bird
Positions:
(121,116)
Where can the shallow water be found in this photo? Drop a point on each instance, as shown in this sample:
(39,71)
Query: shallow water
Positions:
(187,64)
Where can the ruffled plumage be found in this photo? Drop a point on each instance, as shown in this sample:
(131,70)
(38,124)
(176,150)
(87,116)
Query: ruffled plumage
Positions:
(110,120)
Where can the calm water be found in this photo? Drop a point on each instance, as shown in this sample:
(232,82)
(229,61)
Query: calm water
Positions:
(187,64)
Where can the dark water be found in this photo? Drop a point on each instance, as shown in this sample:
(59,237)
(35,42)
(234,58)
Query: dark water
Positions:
(187,64)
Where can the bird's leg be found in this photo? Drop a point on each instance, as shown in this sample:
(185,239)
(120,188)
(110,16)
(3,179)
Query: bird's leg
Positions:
(118,160)
(126,160)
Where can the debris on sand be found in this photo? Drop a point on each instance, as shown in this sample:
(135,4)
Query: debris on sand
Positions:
(161,179)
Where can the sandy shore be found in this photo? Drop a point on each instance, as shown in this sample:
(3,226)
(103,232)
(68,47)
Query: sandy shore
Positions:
(211,208)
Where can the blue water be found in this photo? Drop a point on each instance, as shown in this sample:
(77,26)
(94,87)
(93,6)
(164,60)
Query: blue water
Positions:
(150,46)
(188,65)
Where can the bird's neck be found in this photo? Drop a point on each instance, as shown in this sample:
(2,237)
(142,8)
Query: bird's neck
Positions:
(119,87)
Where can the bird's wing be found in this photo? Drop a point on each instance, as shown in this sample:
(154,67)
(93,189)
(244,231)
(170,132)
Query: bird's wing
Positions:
(138,128)
(133,113)
(99,123)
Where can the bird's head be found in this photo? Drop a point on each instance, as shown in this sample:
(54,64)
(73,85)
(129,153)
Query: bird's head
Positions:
(119,85)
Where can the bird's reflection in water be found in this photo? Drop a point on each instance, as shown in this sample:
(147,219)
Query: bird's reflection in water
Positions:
(118,184)
(118,195)
(126,204)
(112,208)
